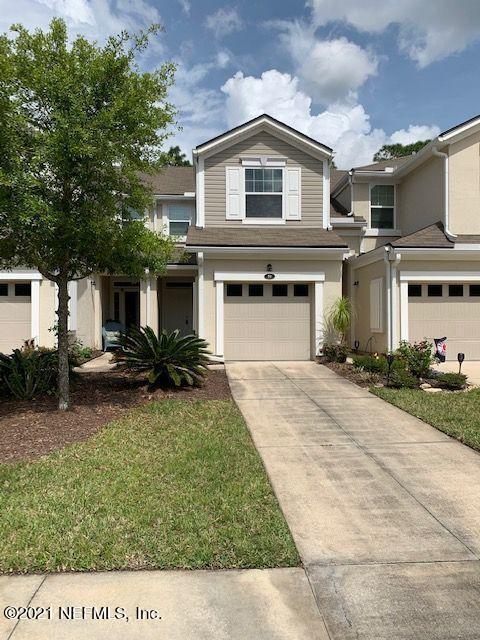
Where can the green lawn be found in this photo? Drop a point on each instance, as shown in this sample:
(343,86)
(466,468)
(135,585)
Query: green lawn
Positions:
(457,414)
(175,484)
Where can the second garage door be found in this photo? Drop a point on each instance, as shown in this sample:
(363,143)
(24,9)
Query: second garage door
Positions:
(265,321)
(448,309)
(15,315)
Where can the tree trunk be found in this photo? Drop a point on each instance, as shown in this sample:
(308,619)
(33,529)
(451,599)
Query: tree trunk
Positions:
(63,369)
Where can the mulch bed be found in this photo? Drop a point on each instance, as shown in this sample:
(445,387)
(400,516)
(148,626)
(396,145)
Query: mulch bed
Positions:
(364,379)
(30,429)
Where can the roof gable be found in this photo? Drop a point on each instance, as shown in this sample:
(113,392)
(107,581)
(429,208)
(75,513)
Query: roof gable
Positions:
(270,125)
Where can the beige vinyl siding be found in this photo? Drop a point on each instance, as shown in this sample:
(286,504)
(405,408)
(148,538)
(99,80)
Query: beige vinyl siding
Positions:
(464,185)
(263,144)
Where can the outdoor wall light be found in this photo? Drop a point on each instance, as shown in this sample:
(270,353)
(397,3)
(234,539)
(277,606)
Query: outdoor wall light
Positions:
(356,345)
(269,268)
(460,358)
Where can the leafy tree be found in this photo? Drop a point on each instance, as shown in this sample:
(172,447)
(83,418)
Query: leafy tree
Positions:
(389,151)
(78,122)
(175,157)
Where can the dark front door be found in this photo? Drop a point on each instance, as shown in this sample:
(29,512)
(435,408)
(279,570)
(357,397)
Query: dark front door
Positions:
(132,308)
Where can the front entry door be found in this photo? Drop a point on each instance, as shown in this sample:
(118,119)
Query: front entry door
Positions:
(132,309)
(178,307)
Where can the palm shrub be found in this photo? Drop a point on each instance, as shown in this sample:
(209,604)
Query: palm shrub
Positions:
(340,317)
(29,373)
(170,360)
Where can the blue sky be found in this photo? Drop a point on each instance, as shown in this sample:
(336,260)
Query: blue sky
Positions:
(353,75)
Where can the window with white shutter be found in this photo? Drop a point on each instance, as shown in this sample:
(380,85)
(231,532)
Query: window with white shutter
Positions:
(376,305)
(234,195)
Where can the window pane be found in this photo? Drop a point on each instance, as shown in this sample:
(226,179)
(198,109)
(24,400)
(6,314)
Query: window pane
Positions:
(179,228)
(234,290)
(277,174)
(475,290)
(255,290)
(300,290)
(179,212)
(258,174)
(383,195)
(23,289)
(3,289)
(263,180)
(414,290)
(279,290)
(248,185)
(455,290)
(248,174)
(435,290)
(381,218)
(268,206)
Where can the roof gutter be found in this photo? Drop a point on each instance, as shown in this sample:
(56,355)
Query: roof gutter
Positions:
(446,212)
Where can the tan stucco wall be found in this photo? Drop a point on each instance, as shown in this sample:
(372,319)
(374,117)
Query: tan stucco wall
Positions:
(464,185)
(361,200)
(353,241)
(419,197)
(263,144)
(332,286)
(361,303)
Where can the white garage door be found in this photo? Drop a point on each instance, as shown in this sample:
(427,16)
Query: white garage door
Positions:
(15,315)
(267,321)
(446,309)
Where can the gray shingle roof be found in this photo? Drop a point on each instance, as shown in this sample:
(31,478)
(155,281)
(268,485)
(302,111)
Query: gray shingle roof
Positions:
(429,237)
(381,164)
(172,181)
(305,237)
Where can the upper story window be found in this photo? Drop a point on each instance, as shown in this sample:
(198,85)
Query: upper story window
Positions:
(263,193)
(382,206)
(179,219)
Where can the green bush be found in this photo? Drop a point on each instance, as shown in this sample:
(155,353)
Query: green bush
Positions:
(371,363)
(452,381)
(335,352)
(29,373)
(418,357)
(78,353)
(170,360)
(402,379)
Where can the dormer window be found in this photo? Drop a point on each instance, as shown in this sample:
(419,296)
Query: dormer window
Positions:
(263,193)
(382,206)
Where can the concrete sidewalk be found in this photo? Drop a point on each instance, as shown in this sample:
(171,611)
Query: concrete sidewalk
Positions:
(384,509)
(175,605)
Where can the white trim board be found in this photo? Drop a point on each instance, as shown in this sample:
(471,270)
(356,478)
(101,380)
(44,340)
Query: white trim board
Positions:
(20,275)
(234,276)
(439,276)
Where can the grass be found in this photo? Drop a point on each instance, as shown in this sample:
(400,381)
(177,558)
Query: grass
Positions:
(175,484)
(457,414)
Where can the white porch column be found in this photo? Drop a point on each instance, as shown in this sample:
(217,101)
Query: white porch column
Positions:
(153,307)
(35,310)
(318,302)
(219,324)
(404,310)
(96,284)
(195,306)
(145,289)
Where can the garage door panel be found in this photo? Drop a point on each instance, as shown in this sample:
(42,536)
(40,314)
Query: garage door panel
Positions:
(267,327)
(15,321)
(456,318)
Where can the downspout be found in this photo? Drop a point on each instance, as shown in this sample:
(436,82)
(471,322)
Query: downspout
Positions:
(350,182)
(446,213)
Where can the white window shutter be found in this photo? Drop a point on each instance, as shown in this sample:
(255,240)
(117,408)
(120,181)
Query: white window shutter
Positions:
(376,305)
(235,195)
(293,193)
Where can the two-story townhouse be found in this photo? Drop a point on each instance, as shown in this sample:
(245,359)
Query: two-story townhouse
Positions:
(274,235)
(253,213)
(415,229)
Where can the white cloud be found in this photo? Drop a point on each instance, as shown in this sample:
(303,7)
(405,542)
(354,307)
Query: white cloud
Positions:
(414,133)
(186,6)
(224,21)
(329,70)
(344,126)
(94,19)
(429,29)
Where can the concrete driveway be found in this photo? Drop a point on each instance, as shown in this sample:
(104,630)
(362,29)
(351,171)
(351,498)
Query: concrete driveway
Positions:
(384,509)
